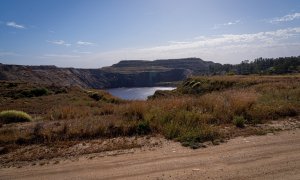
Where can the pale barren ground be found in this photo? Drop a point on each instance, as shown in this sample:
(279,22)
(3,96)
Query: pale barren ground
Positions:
(272,156)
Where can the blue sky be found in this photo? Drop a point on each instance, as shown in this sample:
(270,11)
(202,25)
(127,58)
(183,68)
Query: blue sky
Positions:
(96,33)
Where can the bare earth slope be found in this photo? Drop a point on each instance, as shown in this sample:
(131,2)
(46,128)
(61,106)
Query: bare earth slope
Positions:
(256,157)
(122,74)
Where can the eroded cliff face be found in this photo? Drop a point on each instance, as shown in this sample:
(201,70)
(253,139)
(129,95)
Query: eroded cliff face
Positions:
(86,78)
(145,79)
(123,74)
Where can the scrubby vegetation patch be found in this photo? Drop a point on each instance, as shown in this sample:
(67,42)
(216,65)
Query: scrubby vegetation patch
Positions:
(197,111)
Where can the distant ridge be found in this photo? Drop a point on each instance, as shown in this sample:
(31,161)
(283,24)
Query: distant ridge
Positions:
(127,73)
(141,73)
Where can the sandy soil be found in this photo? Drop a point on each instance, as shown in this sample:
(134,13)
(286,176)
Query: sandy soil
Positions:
(273,156)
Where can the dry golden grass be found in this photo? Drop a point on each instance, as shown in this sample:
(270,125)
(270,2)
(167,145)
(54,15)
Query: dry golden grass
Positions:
(186,117)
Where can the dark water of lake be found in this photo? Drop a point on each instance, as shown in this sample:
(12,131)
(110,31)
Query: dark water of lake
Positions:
(140,93)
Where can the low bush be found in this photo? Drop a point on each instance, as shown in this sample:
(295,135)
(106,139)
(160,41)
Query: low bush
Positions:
(39,92)
(60,91)
(13,116)
(201,85)
(35,92)
(133,112)
(184,125)
(68,112)
(143,128)
(10,85)
(103,96)
(239,121)
(96,96)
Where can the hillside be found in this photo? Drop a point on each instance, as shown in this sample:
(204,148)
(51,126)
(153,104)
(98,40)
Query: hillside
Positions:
(53,75)
(122,74)
(195,64)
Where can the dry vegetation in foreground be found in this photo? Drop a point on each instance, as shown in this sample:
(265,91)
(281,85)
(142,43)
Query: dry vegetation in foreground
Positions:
(196,112)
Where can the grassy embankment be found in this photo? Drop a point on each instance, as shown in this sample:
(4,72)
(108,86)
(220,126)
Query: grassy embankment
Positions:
(197,111)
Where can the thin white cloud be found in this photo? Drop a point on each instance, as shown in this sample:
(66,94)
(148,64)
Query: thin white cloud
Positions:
(60,56)
(8,53)
(217,26)
(15,25)
(81,52)
(178,42)
(84,43)
(227,48)
(232,23)
(289,17)
(60,42)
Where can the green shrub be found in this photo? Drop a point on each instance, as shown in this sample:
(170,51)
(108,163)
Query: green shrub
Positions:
(60,91)
(39,92)
(230,73)
(143,128)
(104,97)
(96,96)
(205,85)
(239,121)
(36,92)
(187,127)
(10,85)
(13,116)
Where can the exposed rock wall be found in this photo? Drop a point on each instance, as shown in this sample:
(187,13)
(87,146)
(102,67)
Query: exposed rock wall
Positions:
(123,74)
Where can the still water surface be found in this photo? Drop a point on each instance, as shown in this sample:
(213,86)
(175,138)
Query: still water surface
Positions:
(140,93)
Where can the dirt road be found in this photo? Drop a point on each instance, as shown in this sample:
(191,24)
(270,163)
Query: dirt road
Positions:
(256,157)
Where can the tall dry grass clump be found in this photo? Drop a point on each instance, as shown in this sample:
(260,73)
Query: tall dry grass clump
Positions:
(179,119)
(133,111)
(13,116)
(223,106)
(68,112)
(277,99)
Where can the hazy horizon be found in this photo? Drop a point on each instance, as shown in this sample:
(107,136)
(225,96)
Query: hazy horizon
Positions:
(94,34)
